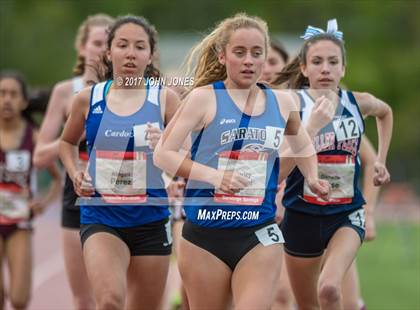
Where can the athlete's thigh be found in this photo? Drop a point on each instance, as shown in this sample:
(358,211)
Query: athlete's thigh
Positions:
(256,276)
(2,253)
(342,249)
(107,259)
(19,257)
(351,289)
(146,279)
(303,275)
(283,296)
(176,234)
(2,256)
(73,259)
(207,279)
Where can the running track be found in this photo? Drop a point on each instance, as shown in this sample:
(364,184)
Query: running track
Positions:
(50,290)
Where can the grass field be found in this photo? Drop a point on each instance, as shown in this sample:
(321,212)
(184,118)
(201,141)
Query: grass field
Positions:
(390,268)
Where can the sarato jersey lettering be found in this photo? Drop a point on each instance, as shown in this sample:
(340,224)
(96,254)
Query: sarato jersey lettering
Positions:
(236,134)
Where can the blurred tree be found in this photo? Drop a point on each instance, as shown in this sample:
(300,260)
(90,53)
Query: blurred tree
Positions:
(382,42)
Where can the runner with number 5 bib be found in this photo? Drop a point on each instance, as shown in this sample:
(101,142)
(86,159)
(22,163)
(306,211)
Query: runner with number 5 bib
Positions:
(231,244)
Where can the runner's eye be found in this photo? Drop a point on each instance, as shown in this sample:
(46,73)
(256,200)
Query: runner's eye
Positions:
(257,54)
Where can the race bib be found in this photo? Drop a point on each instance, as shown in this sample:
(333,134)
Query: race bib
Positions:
(253,166)
(269,235)
(274,137)
(18,161)
(338,170)
(14,206)
(140,134)
(357,218)
(346,129)
(121,176)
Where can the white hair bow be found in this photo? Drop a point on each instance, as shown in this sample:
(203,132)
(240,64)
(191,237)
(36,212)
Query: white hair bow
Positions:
(332,28)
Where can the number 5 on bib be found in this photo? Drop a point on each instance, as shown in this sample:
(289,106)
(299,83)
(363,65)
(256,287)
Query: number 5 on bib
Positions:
(269,235)
(274,137)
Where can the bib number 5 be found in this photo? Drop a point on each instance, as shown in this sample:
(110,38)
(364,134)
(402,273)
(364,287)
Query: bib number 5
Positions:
(269,235)
(274,137)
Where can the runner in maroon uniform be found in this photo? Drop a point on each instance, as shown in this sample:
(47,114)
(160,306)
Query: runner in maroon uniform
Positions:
(17,202)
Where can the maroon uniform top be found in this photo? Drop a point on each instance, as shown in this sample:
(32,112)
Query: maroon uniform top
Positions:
(15,178)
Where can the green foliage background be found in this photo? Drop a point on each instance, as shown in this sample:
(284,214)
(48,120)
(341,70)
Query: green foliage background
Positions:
(382,41)
(389,268)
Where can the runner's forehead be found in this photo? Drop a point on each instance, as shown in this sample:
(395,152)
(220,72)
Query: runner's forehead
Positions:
(132,33)
(10,84)
(246,38)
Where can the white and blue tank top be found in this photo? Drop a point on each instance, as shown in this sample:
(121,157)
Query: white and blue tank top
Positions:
(129,189)
(337,146)
(247,144)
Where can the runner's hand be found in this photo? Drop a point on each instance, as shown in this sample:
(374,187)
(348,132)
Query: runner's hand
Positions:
(381,175)
(321,188)
(82,184)
(322,114)
(175,190)
(279,213)
(230,182)
(153,135)
(37,206)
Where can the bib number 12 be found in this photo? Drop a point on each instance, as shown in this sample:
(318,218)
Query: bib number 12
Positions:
(346,129)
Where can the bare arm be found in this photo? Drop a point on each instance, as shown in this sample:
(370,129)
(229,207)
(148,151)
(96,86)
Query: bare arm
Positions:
(169,104)
(46,149)
(372,106)
(370,192)
(193,115)
(187,119)
(368,157)
(69,142)
(321,114)
(172,104)
(39,204)
(298,145)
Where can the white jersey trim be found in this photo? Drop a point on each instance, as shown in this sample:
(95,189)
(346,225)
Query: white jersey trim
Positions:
(345,101)
(153,95)
(78,84)
(307,109)
(353,110)
(98,93)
